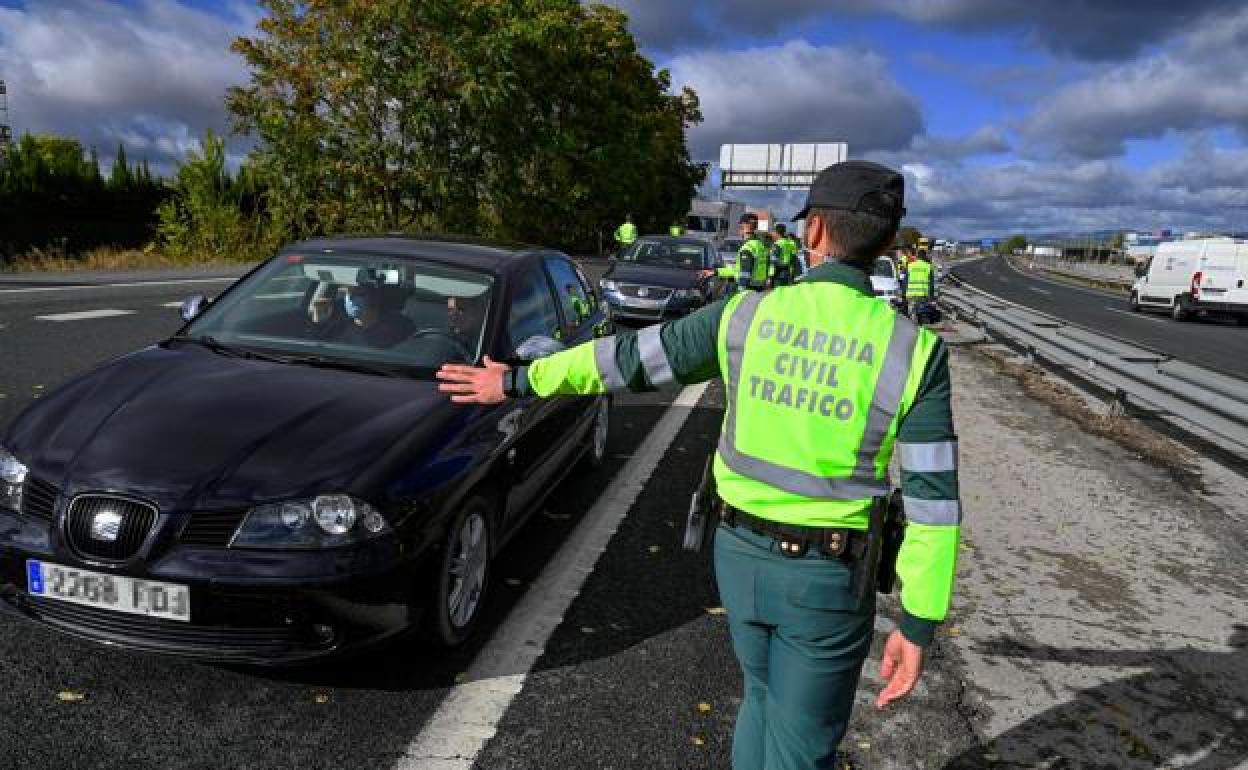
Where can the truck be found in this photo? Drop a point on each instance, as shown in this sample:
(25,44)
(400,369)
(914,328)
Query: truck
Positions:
(713,220)
(1196,278)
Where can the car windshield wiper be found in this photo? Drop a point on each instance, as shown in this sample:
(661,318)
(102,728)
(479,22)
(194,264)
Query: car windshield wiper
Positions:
(219,347)
(337,363)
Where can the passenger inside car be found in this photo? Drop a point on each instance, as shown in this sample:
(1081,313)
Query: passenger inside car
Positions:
(372,318)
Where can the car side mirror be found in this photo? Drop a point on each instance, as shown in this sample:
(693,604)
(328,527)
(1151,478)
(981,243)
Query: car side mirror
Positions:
(537,347)
(193,306)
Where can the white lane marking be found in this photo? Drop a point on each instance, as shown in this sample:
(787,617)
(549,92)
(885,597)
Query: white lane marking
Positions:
(1085,289)
(83,315)
(1140,316)
(118,285)
(171,304)
(1039,291)
(470,713)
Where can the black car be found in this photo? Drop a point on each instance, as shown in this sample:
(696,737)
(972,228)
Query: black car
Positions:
(281,479)
(661,277)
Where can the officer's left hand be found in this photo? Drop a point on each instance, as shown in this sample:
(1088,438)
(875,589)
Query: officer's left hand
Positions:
(900,667)
(473,384)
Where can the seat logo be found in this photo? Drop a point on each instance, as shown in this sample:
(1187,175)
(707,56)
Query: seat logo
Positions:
(105,526)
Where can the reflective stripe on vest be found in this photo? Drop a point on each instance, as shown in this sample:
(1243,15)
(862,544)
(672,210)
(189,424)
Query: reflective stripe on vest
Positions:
(919,278)
(861,482)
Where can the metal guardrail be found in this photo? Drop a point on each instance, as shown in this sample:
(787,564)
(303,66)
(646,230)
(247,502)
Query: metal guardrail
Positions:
(1204,403)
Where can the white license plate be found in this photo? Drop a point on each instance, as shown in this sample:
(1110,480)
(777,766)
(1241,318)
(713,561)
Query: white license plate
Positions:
(648,304)
(112,592)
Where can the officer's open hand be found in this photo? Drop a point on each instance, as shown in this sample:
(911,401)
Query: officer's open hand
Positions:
(900,667)
(473,384)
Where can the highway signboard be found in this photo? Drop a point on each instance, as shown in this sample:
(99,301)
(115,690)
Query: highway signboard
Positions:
(776,166)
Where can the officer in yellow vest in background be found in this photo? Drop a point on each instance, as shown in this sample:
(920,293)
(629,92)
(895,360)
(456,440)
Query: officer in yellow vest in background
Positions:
(823,383)
(626,233)
(676,230)
(754,256)
(919,280)
(784,258)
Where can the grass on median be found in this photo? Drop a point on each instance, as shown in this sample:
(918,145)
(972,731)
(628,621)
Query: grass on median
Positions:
(108,258)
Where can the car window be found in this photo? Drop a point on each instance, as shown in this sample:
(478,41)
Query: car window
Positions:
(533,312)
(371,309)
(577,307)
(665,253)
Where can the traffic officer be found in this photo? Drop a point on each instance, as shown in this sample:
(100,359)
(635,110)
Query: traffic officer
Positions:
(823,383)
(754,256)
(784,257)
(919,280)
(626,233)
(677,229)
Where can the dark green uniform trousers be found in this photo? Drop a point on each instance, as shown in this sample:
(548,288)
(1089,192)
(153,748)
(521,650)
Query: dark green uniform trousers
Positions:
(801,641)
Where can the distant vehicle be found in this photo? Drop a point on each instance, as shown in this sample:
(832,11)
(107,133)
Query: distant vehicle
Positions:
(281,479)
(661,277)
(885,283)
(1198,278)
(728,249)
(713,221)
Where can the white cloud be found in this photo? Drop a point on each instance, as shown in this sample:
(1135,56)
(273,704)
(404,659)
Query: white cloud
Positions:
(152,76)
(1200,82)
(797,92)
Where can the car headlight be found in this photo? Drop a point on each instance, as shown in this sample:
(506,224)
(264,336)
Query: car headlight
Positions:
(326,521)
(12,478)
(607,285)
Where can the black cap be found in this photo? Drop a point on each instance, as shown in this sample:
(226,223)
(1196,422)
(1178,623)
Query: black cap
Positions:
(858,185)
(748,216)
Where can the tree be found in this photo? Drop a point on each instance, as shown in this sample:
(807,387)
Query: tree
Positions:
(1013,244)
(908,237)
(120,178)
(536,120)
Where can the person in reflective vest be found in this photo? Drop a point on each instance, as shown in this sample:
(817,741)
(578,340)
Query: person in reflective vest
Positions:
(754,256)
(824,384)
(784,258)
(919,277)
(676,229)
(626,233)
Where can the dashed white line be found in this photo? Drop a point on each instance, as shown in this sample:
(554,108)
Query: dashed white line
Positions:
(1140,316)
(84,315)
(117,285)
(171,304)
(470,713)
(1039,291)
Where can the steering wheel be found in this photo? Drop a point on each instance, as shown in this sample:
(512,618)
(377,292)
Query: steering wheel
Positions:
(431,332)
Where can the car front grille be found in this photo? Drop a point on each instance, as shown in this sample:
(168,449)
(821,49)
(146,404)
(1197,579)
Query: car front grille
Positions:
(655,293)
(212,529)
(39,499)
(175,636)
(129,523)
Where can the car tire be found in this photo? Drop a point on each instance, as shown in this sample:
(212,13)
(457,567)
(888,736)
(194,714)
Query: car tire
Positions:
(463,574)
(1178,311)
(1134,302)
(596,454)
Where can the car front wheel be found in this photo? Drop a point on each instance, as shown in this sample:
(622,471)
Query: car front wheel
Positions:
(1179,310)
(1135,302)
(463,575)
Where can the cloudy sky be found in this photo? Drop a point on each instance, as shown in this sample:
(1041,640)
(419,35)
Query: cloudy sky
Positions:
(1006,115)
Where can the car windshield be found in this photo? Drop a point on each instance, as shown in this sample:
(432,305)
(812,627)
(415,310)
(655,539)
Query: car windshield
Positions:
(732,244)
(884,268)
(666,254)
(383,312)
(705,224)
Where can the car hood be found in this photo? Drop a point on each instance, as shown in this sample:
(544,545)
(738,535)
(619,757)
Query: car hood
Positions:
(651,275)
(189,429)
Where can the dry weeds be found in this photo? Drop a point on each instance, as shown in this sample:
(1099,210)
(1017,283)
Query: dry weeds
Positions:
(108,258)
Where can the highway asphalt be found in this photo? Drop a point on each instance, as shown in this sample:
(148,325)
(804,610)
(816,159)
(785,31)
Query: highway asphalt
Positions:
(1217,345)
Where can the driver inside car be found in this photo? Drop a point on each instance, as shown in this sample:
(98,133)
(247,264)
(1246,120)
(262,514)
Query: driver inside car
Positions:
(371,320)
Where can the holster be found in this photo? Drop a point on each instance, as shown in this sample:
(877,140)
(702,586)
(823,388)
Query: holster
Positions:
(890,546)
(877,569)
(704,511)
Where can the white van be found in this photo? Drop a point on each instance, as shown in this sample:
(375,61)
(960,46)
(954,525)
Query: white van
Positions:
(1195,278)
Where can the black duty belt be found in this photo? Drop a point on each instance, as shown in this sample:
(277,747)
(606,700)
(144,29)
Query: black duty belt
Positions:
(842,543)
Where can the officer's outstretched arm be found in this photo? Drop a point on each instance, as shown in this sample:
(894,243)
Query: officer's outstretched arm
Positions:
(670,355)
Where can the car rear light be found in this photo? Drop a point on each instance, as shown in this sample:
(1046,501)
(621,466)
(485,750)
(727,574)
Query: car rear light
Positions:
(1196,284)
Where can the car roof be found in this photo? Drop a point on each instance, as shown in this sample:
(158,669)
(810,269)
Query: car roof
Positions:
(676,239)
(482,254)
